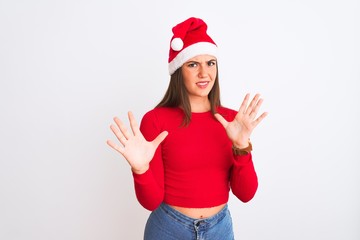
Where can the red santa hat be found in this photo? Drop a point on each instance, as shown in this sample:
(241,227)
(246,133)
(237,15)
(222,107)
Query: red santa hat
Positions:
(190,39)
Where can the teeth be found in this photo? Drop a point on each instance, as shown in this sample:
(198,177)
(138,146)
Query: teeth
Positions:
(202,83)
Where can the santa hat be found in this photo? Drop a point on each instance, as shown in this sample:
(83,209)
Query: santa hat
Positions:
(190,39)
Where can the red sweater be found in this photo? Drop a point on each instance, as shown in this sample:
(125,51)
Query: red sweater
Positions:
(194,166)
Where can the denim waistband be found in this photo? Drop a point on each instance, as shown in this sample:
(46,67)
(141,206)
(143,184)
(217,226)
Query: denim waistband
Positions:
(191,222)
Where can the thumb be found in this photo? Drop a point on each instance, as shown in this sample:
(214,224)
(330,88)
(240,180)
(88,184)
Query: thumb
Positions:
(221,119)
(160,138)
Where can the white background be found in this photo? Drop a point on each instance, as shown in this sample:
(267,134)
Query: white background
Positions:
(67,67)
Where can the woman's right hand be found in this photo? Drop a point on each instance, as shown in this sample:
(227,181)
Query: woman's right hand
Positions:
(133,146)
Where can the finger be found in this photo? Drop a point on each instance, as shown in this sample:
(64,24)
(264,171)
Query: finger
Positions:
(133,123)
(259,119)
(122,128)
(115,147)
(252,104)
(256,108)
(221,119)
(159,138)
(118,134)
(244,104)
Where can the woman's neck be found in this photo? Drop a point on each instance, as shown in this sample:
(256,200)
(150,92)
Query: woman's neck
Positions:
(200,105)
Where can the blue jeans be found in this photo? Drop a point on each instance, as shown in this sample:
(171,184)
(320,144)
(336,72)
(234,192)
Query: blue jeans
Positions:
(166,223)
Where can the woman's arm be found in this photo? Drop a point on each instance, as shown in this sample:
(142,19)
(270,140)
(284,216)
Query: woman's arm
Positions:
(243,178)
(140,149)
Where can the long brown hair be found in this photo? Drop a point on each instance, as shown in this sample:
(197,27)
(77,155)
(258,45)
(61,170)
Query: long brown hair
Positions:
(176,95)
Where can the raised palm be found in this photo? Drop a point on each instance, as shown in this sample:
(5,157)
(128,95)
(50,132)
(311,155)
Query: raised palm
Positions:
(240,129)
(134,147)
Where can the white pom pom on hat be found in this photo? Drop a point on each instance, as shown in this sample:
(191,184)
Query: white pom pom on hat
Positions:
(177,44)
(189,40)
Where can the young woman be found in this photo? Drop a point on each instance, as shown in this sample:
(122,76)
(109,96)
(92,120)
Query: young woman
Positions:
(190,150)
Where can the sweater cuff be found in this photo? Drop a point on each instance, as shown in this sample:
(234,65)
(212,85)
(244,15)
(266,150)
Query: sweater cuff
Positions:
(241,160)
(144,178)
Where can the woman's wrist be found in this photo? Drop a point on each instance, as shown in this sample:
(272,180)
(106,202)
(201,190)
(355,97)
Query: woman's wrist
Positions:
(243,143)
(237,151)
(140,170)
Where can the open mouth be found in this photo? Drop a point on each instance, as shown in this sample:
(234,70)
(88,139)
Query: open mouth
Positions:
(203,84)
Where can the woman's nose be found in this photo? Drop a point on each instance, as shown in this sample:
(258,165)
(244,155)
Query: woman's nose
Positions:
(202,71)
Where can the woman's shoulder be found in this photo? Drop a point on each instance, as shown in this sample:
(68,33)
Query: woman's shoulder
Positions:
(226,112)
(163,113)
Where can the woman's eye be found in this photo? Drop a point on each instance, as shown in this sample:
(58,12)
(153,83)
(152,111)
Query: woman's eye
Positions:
(192,64)
(211,63)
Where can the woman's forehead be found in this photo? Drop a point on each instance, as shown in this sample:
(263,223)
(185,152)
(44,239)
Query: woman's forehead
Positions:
(200,58)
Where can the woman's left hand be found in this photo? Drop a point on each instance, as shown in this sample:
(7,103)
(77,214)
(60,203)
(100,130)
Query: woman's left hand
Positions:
(240,129)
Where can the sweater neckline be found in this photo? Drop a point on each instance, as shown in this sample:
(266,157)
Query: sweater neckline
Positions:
(201,113)
(195,113)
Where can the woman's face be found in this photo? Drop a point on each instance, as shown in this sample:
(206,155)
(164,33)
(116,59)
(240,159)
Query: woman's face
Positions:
(199,75)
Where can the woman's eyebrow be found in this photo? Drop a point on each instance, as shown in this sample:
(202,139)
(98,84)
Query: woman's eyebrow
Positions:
(193,61)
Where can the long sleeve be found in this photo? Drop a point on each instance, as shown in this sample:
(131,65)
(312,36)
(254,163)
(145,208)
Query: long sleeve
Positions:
(243,178)
(149,186)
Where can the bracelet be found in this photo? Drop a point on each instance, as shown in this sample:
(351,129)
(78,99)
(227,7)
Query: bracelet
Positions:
(242,151)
